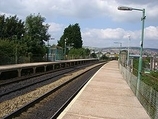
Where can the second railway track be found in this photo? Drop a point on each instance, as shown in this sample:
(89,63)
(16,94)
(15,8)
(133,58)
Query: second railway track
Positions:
(17,105)
(9,88)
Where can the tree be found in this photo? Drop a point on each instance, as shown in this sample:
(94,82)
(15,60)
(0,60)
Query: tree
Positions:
(11,28)
(7,49)
(36,34)
(93,55)
(20,40)
(72,35)
(11,33)
(87,52)
(104,57)
(2,25)
(78,53)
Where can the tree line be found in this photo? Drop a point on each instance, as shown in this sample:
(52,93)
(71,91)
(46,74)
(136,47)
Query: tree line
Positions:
(25,41)
(22,41)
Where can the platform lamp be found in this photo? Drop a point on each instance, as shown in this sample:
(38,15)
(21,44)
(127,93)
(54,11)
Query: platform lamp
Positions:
(65,48)
(141,43)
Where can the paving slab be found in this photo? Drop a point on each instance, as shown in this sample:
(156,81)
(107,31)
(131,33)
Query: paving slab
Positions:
(105,96)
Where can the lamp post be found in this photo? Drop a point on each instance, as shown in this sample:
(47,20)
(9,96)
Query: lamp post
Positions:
(48,45)
(120,45)
(16,48)
(65,48)
(129,38)
(141,43)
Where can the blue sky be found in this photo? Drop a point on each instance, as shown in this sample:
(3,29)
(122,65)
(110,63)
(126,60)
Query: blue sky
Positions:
(100,21)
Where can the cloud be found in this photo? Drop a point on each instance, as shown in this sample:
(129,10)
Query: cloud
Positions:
(106,34)
(55,30)
(55,27)
(60,13)
(82,9)
(151,32)
(107,37)
(79,9)
(137,2)
(151,10)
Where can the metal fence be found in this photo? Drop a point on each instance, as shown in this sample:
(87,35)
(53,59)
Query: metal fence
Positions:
(147,96)
(21,59)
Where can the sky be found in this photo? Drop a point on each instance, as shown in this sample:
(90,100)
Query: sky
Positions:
(102,24)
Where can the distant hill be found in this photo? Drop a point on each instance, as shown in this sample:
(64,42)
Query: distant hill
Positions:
(136,48)
(133,50)
(153,49)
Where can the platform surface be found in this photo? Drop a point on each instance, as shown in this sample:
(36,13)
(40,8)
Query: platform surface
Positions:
(35,64)
(105,96)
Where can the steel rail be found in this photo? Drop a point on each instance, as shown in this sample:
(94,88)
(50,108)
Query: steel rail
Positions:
(29,85)
(34,83)
(32,103)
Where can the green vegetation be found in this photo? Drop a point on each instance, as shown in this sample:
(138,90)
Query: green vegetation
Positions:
(150,79)
(22,41)
(7,49)
(78,53)
(72,35)
(93,55)
(36,34)
(104,57)
(72,38)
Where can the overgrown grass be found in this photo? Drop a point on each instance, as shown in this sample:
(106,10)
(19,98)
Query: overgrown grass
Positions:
(151,79)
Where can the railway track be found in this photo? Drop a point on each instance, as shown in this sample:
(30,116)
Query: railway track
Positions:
(46,94)
(8,88)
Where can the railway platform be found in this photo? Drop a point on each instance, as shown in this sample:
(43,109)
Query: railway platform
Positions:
(105,96)
(25,69)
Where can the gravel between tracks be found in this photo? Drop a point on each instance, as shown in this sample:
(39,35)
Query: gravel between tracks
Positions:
(9,106)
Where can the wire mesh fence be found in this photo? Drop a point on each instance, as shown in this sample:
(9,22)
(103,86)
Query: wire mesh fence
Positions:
(21,59)
(147,95)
